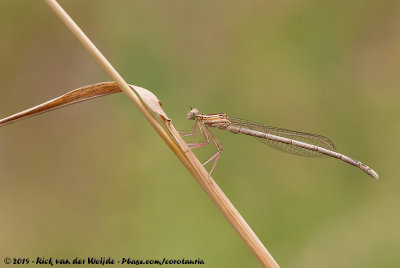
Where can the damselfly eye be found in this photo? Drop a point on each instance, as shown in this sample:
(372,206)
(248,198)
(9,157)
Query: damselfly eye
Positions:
(193,114)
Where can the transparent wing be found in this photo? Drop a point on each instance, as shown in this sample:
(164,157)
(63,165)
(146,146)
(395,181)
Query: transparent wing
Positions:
(309,138)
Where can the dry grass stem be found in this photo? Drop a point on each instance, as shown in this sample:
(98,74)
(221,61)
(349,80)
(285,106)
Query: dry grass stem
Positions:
(198,171)
(148,103)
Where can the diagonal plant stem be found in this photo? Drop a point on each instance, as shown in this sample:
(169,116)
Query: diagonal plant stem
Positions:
(206,182)
(178,146)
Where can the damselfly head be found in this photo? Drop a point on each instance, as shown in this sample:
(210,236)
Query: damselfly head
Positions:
(193,114)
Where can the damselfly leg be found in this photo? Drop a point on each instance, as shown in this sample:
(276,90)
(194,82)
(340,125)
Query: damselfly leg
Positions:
(208,136)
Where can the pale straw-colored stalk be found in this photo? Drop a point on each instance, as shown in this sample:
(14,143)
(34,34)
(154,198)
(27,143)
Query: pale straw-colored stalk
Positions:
(178,146)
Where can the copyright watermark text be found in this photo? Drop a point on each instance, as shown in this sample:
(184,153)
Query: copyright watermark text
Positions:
(51,261)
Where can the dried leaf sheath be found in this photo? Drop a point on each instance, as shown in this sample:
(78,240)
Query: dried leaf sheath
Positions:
(86,93)
(75,96)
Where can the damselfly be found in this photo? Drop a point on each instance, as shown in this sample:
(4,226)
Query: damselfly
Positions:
(294,142)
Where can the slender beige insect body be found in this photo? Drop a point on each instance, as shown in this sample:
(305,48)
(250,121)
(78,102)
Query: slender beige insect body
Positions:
(283,139)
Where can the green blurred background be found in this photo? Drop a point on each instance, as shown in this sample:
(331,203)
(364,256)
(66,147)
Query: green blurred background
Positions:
(94,179)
